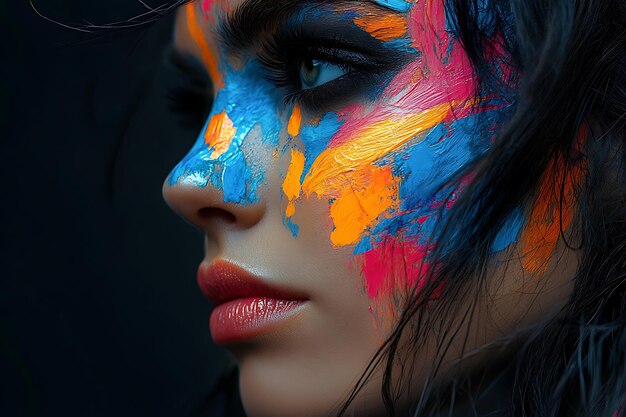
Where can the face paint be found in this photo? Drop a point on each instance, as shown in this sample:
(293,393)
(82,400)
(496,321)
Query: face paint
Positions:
(219,134)
(291,184)
(208,59)
(552,212)
(206,6)
(397,5)
(295,120)
(380,168)
(386,167)
(243,103)
(384,28)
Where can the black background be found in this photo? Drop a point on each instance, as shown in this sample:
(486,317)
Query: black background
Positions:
(100,312)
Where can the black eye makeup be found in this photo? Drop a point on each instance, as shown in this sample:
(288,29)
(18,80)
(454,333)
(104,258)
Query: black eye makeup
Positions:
(317,58)
(325,64)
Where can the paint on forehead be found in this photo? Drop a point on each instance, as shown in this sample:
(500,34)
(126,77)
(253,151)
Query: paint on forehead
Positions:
(250,105)
(397,5)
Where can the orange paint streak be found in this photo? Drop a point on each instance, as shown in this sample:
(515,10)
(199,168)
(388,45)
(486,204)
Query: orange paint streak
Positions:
(552,212)
(208,59)
(291,183)
(295,121)
(219,134)
(334,167)
(384,28)
(373,192)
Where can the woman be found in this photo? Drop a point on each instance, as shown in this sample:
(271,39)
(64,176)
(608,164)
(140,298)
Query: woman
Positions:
(411,207)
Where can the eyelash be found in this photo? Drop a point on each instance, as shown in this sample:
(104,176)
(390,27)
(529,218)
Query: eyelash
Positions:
(281,55)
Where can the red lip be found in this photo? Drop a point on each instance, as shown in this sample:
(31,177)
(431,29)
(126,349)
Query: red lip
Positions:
(245,305)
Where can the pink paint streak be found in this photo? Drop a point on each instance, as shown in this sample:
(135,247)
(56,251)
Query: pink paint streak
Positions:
(206,7)
(394,264)
(443,74)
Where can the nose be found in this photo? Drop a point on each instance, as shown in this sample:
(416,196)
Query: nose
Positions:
(205,207)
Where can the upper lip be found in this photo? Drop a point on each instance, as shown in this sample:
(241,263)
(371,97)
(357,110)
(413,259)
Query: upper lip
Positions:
(222,281)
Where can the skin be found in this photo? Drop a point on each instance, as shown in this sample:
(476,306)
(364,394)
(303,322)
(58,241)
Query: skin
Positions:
(327,212)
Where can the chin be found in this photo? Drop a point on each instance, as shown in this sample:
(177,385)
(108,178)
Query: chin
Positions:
(283,385)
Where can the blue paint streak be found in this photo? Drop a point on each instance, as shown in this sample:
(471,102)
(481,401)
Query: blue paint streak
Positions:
(402,44)
(293,228)
(249,102)
(509,232)
(315,138)
(427,169)
(397,5)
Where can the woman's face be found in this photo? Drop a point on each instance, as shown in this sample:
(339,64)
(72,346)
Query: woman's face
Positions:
(330,154)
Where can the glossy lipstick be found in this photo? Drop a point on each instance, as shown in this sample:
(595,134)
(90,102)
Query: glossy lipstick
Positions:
(245,305)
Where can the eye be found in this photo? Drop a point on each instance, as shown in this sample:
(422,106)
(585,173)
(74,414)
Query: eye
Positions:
(314,73)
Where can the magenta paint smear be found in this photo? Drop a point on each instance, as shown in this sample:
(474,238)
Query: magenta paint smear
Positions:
(405,257)
(441,75)
(206,6)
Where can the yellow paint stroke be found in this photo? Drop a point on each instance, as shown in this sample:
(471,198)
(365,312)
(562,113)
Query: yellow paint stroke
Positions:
(552,212)
(291,184)
(361,203)
(219,134)
(384,28)
(295,121)
(331,170)
(208,59)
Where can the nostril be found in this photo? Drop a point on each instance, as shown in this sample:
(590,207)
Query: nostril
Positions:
(216,213)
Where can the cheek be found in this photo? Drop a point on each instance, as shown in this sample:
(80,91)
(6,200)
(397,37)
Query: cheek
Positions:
(386,169)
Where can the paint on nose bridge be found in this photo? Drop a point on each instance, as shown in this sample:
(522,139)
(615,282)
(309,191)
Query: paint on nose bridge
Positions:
(217,157)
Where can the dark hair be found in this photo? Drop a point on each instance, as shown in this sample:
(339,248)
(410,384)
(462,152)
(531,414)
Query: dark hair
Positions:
(569,85)
(568,59)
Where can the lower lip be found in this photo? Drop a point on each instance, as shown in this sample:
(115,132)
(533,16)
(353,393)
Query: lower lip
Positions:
(245,318)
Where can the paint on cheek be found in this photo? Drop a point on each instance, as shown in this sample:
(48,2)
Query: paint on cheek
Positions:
(208,58)
(332,168)
(291,183)
(206,6)
(219,134)
(316,136)
(295,120)
(552,213)
(509,233)
(371,192)
(395,264)
(384,27)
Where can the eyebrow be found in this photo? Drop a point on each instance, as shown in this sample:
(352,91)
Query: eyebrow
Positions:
(241,27)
